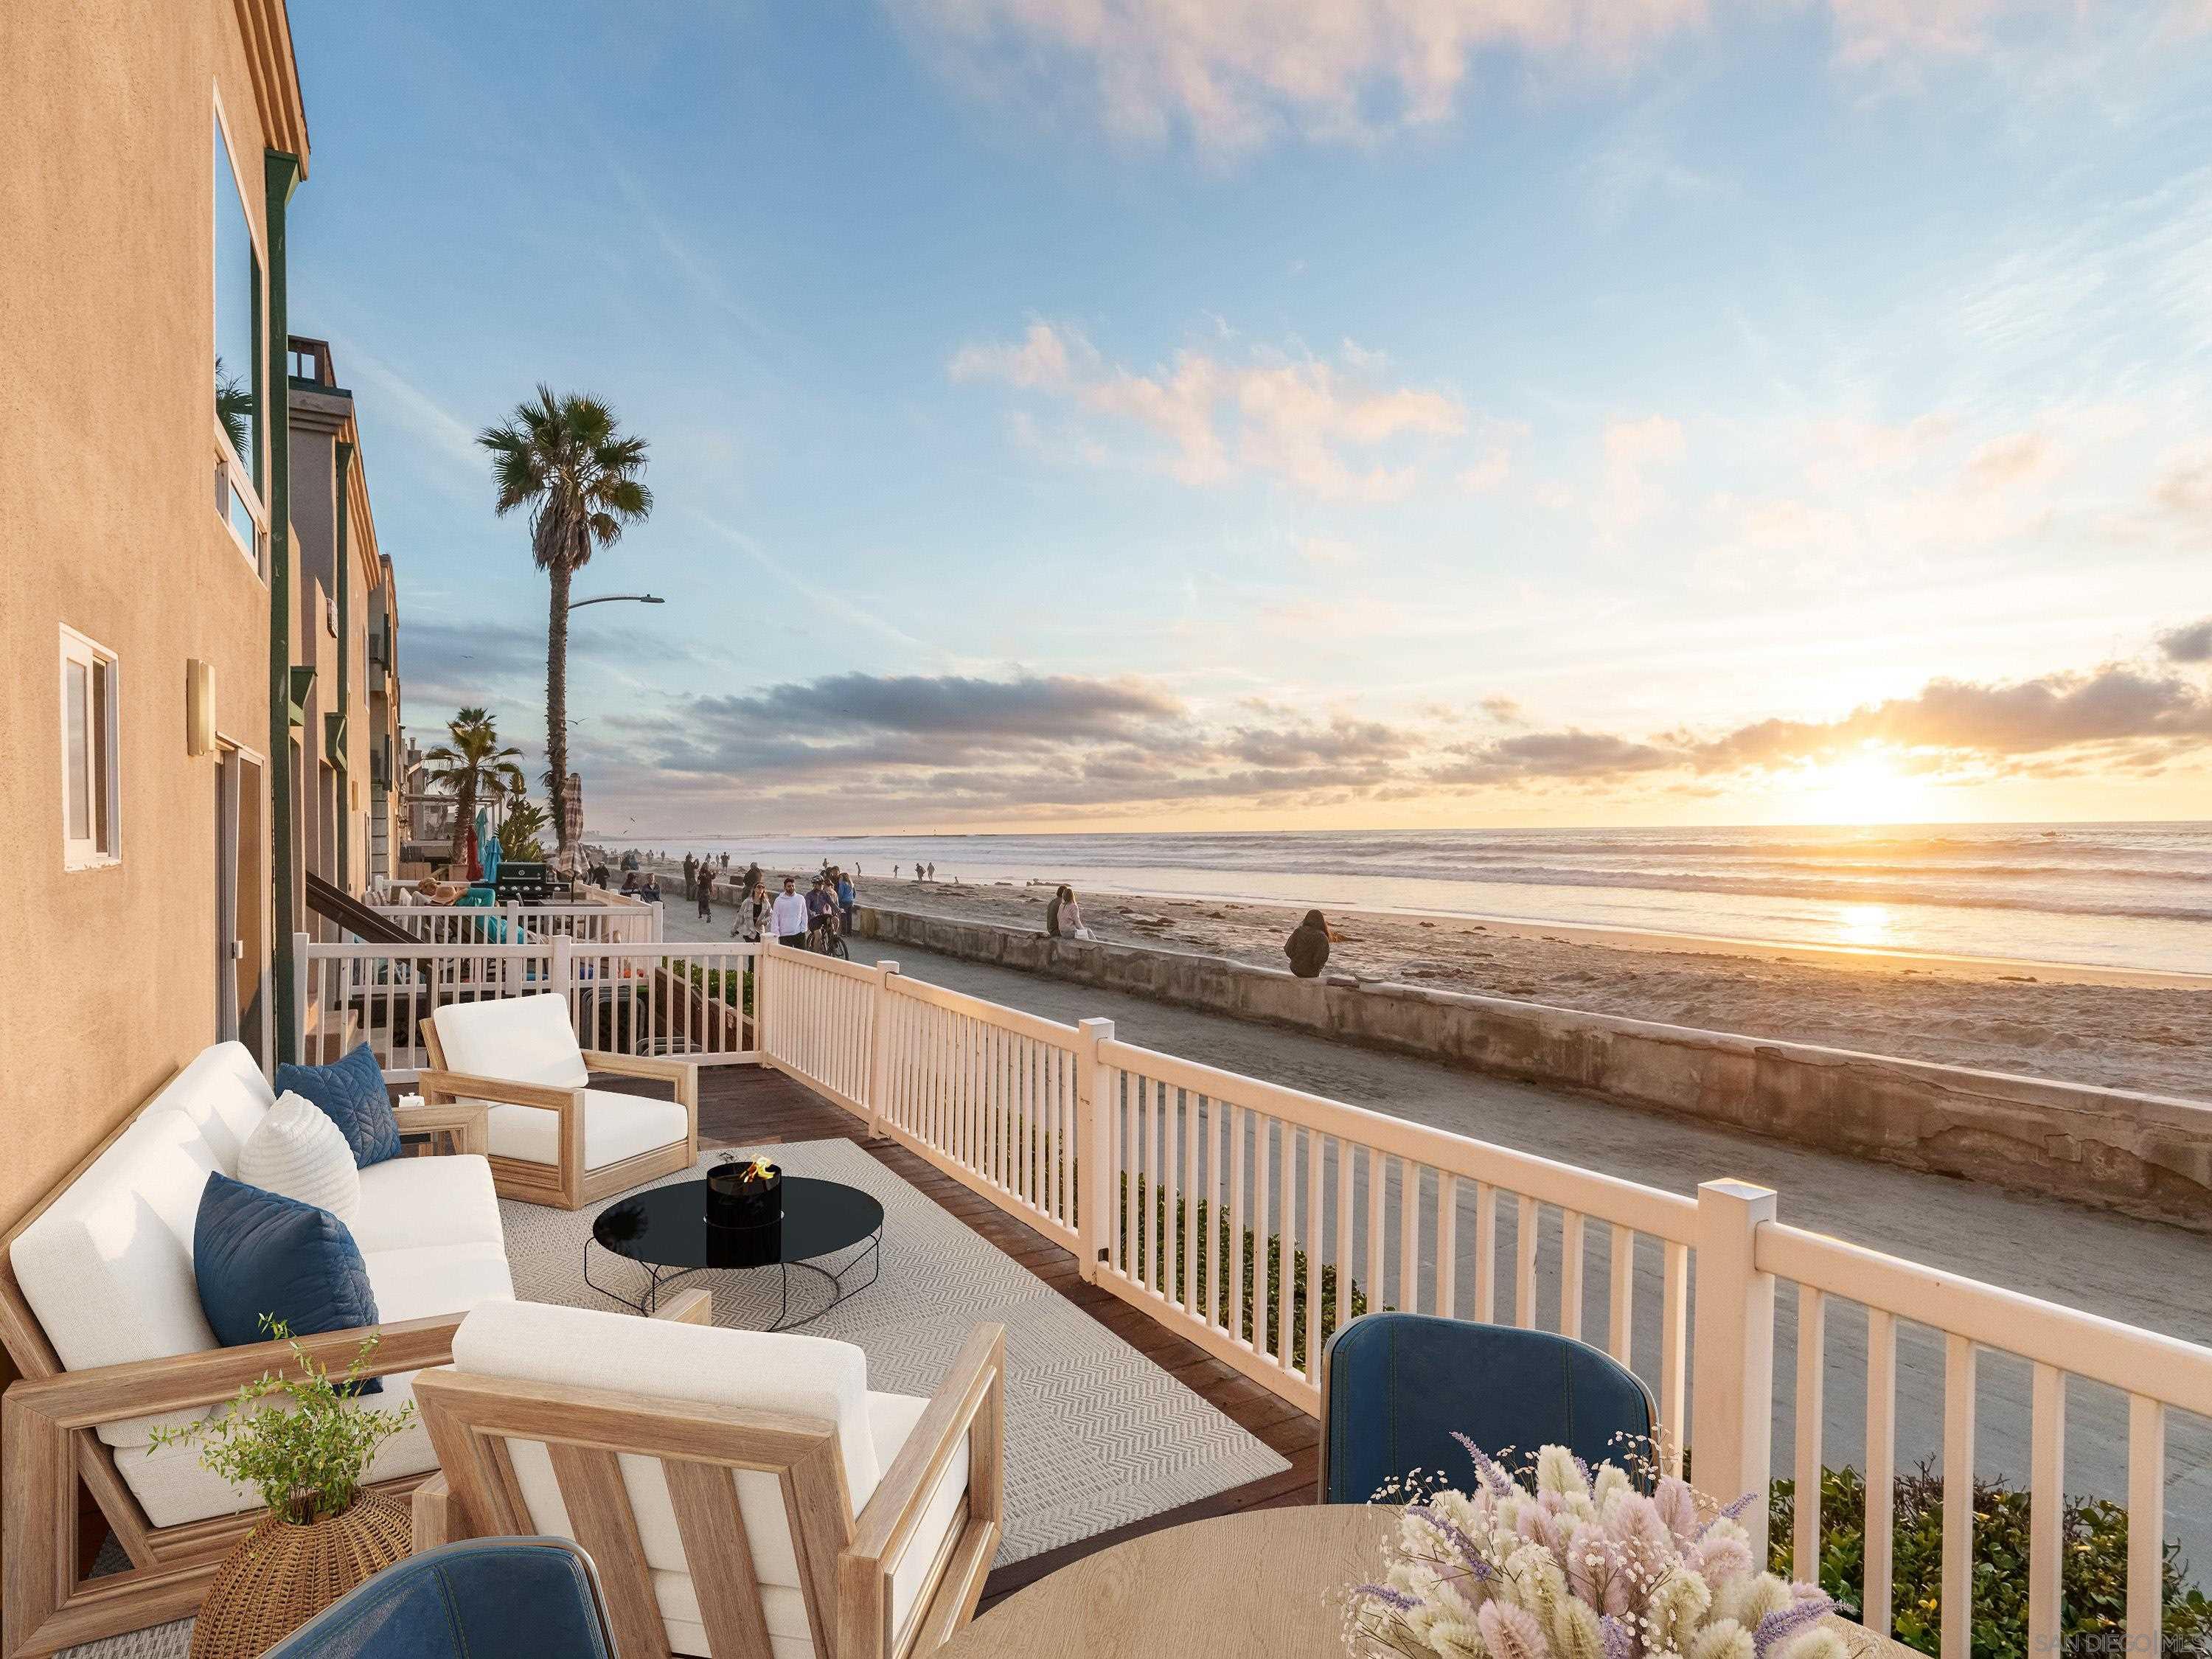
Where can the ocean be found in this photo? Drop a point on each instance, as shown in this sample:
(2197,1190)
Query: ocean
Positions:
(2110,895)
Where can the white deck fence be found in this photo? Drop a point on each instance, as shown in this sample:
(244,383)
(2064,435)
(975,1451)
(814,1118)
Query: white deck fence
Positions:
(526,924)
(694,1000)
(1255,1220)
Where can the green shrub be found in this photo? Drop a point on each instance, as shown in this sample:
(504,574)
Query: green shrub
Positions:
(2094,1574)
(1213,1243)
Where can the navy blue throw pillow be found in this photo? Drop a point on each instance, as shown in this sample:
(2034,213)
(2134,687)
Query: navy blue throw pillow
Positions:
(255,1253)
(352,1096)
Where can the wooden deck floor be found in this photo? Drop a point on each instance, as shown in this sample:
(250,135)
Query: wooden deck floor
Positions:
(743,1103)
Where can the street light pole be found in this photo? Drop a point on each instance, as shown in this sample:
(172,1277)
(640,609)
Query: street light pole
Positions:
(609,599)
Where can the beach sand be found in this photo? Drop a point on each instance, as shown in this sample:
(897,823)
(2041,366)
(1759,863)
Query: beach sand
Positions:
(2146,1031)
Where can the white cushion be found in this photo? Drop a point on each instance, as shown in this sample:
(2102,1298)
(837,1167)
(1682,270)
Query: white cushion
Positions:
(300,1152)
(108,1267)
(225,1096)
(412,1201)
(616,1126)
(436,1278)
(519,1039)
(173,1485)
(804,1375)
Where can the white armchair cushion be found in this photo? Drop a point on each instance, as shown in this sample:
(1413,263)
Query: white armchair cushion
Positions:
(519,1039)
(616,1126)
(301,1153)
(666,1359)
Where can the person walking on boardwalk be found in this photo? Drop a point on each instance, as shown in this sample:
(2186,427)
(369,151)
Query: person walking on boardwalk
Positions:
(847,899)
(788,915)
(1308,946)
(690,874)
(705,892)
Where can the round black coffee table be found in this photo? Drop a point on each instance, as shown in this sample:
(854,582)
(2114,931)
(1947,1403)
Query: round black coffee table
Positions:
(667,1231)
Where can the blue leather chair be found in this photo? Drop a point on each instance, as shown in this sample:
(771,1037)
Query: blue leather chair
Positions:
(485,1598)
(1396,1386)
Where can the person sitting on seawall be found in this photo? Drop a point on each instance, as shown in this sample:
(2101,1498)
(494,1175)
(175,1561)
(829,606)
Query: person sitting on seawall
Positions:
(1063,916)
(1308,946)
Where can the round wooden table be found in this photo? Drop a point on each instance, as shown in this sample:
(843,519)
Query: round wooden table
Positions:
(1262,1583)
(1265,1584)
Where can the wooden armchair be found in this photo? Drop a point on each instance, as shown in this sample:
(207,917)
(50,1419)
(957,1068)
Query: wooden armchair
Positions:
(552,1138)
(860,1525)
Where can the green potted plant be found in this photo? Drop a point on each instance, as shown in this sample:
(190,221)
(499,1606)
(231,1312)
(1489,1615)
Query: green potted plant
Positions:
(304,1441)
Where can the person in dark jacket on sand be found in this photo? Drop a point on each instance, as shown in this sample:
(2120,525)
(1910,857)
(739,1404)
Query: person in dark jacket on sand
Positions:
(1308,946)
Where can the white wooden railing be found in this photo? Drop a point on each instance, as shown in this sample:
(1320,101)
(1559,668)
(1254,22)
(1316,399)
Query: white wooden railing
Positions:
(1418,1218)
(517,923)
(2155,1373)
(1154,1170)
(661,999)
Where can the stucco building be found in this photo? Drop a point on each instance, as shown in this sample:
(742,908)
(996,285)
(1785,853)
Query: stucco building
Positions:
(199,628)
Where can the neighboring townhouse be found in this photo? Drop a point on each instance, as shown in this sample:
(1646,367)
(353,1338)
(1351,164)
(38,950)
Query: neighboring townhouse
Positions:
(345,613)
(385,783)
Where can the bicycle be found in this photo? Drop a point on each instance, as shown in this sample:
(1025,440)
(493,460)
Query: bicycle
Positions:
(824,938)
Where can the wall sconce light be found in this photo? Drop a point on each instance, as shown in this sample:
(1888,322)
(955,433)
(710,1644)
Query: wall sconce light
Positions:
(199,706)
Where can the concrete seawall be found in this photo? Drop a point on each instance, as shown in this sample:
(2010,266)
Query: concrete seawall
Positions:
(2139,1154)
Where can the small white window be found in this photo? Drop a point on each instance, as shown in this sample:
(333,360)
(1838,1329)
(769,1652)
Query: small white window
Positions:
(91,827)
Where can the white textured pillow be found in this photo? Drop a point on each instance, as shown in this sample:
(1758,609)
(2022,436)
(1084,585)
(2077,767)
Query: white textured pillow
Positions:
(299,1153)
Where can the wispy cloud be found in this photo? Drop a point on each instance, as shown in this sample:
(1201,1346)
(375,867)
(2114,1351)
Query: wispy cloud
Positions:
(439,430)
(1317,424)
(1232,74)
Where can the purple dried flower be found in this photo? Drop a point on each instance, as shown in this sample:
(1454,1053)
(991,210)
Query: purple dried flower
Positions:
(1780,1626)
(1459,1541)
(1619,1640)
(1387,1597)
(1501,1483)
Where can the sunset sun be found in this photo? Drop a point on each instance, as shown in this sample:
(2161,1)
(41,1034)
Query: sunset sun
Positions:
(1866,787)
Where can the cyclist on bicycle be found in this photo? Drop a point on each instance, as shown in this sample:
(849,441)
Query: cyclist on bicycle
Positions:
(821,914)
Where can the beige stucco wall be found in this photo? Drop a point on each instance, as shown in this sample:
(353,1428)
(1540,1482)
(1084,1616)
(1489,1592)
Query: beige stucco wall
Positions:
(107,523)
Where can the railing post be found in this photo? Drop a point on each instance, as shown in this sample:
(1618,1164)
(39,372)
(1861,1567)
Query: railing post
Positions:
(880,1048)
(300,974)
(1732,1358)
(561,980)
(1094,1141)
(761,1003)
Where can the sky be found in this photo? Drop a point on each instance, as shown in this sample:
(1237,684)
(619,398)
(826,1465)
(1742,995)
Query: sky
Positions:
(1203,414)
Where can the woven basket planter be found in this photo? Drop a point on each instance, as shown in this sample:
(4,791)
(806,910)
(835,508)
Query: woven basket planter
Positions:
(281,1576)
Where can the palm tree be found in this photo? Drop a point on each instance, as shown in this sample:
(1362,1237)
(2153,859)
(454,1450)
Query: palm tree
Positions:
(473,763)
(563,460)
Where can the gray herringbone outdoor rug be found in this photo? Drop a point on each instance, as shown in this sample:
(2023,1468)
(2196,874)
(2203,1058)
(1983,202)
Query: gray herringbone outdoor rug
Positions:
(1097,1435)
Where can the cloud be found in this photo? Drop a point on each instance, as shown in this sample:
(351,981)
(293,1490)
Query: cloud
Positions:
(1323,427)
(2184,483)
(1057,706)
(865,748)
(2010,460)
(1230,75)
(2192,644)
